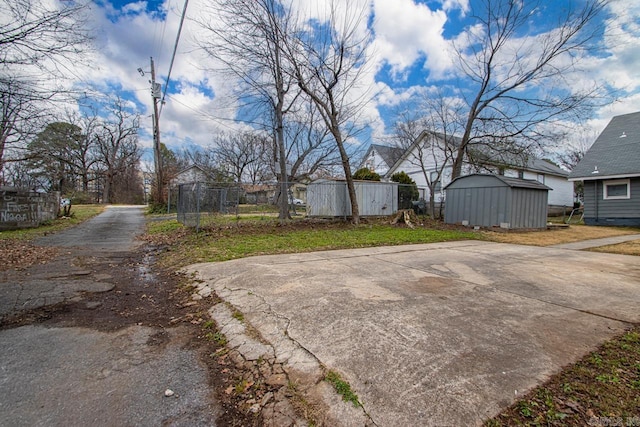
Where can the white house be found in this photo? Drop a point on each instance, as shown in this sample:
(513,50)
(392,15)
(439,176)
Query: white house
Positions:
(427,153)
(379,158)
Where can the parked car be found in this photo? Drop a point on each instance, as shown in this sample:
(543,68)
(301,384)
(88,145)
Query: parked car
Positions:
(294,201)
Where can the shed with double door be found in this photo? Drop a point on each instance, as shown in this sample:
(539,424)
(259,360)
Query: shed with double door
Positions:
(496,201)
(330,198)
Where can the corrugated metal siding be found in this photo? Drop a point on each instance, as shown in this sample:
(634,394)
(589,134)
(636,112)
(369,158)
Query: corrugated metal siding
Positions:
(485,201)
(529,208)
(485,207)
(331,198)
(376,199)
(328,199)
(596,208)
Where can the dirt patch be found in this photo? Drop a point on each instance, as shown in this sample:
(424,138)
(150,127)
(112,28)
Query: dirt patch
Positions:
(143,294)
(574,233)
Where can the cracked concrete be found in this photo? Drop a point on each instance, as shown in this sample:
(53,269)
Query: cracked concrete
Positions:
(438,334)
(32,294)
(281,362)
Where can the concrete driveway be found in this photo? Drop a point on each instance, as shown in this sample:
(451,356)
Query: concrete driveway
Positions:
(437,334)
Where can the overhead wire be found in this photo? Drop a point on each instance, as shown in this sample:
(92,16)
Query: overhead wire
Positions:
(173,56)
(205,115)
(158,47)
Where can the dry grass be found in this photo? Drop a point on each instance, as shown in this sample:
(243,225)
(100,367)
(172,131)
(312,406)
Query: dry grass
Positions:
(627,248)
(574,233)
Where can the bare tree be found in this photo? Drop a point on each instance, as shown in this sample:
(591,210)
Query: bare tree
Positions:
(329,60)
(430,140)
(240,155)
(44,34)
(38,43)
(309,143)
(117,145)
(250,41)
(520,84)
(21,116)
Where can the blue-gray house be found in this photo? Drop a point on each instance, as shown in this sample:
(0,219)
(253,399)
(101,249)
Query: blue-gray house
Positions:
(610,171)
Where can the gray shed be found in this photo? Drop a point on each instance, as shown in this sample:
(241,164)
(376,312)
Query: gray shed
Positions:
(496,201)
(330,198)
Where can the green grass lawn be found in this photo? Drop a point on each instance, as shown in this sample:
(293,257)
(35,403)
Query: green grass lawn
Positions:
(248,237)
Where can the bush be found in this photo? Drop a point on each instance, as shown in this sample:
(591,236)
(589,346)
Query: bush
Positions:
(407,192)
(366,175)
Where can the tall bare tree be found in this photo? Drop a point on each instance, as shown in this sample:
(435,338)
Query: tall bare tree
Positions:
(117,145)
(329,60)
(520,85)
(310,146)
(39,41)
(249,41)
(21,117)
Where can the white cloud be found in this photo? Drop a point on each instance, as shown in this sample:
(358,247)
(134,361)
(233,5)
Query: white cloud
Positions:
(407,32)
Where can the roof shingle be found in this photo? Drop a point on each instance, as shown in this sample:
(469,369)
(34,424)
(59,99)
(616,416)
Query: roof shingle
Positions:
(616,152)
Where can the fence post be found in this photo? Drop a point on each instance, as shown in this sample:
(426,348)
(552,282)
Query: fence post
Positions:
(169,199)
(197,207)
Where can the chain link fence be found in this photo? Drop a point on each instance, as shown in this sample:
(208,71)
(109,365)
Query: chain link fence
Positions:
(199,203)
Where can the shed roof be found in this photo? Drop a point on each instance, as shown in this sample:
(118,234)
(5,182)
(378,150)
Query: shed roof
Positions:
(487,180)
(615,153)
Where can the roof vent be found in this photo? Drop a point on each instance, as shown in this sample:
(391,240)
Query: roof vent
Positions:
(595,170)
(624,135)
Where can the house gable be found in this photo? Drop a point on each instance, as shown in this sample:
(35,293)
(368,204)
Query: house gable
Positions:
(379,158)
(530,169)
(614,154)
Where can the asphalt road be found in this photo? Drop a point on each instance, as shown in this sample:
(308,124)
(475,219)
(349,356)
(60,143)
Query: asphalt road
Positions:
(79,376)
(115,230)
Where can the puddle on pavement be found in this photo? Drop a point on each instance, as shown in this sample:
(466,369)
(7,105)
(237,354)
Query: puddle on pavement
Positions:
(144,268)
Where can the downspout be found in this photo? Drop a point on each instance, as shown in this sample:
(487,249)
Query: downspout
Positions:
(597,197)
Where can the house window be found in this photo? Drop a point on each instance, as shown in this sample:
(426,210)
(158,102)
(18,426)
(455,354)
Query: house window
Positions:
(618,189)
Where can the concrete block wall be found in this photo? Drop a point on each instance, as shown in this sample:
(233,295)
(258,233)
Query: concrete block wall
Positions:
(23,208)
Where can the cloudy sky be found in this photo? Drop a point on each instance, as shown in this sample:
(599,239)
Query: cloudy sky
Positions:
(410,58)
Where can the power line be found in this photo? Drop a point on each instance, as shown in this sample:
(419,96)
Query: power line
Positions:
(173,56)
(158,47)
(209,116)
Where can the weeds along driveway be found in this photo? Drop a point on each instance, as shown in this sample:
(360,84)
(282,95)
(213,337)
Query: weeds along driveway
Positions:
(437,334)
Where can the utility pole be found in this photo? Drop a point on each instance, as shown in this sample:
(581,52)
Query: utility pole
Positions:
(156,93)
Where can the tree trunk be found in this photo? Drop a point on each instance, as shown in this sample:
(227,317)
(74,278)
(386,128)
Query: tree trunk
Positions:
(355,213)
(106,190)
(432,202)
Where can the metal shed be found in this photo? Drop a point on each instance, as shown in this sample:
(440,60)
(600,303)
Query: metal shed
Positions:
(330,198)
(496,201)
